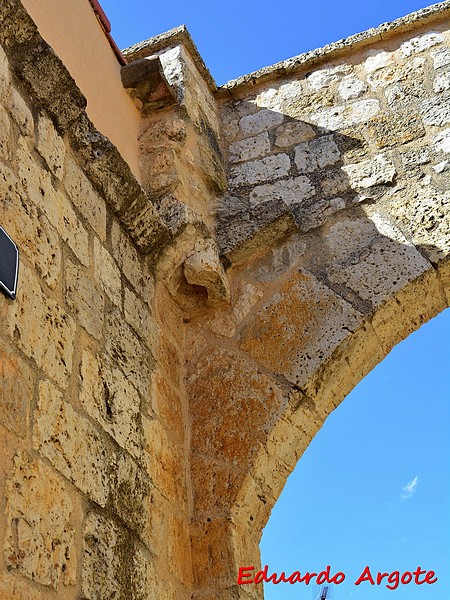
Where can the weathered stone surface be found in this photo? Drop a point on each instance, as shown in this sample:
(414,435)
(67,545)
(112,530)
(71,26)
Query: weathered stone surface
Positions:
(323,78)
(290,191)
(442,82)
(377,59)
(5,134)
(254,147)
(110,399)
(436,111)
(84,299)
(351,87)
(89,202)
(387,131)
(107,273)
(442,141)
(441,58)
(319,153)
(40,538)
(261,121)
(138,315)
(259,171)
(48,337)
(315,214)
(126,350)
(298,328)
(50,146)
(293,133)
(345,116)
(421,43)
(16,391)
(71,444)
(19,111)
(53,203)
(12,588)
(29,228)
(370,172)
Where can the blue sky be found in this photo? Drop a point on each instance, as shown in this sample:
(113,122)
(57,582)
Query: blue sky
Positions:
(373,487)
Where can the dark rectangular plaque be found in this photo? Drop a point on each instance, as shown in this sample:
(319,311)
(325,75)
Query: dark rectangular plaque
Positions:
(9,264)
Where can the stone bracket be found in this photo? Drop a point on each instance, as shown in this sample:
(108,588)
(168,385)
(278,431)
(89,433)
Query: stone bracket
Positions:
(145,82)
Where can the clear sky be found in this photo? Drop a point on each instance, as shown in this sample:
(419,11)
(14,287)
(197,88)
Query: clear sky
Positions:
(373,487)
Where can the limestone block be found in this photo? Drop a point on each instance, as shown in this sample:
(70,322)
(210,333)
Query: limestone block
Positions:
(278,260)
(19,111)
(130,493)
(29,228)
(40,537)
(290,191)
(227,321)
(346,116)
(351,87)
(420,43)
(41,329)
(323,78)
(168,406)
(16,391)
(436,111)
(245,393)
(107,565)
(53,203)
(387,130)
(5,76)
(179,550)
(71,444)
(259,171)
(84,299)
(377,59)
(110,399)
(282,95)
(378,262)
(130,264)
(317,154)
(12,588)
(138,315)
(370,172)
(442,141)
(442,82)
(126,350)
(334,182)
(107,273)
(254,147)
(50,146)
(164,462)
(263,120)
(293,133)
(5,134)
(89,202)
(317,213)
(441,58)
(298,328)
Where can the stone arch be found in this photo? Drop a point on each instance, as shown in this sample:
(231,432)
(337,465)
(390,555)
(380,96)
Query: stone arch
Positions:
(263,376)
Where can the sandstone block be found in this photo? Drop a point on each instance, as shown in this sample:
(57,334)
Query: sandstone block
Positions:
(40,537)
(89,202)
(41,329)
(254,147)
(107,273)
(109,398)
(290,191)
(370,172)
(71,444)
(261,121)
(50,146)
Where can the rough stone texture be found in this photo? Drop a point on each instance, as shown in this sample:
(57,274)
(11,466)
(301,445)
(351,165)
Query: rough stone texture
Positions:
(40,535)
(71,443)
(168,382)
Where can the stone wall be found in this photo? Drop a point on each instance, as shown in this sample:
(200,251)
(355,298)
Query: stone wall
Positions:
(174,348)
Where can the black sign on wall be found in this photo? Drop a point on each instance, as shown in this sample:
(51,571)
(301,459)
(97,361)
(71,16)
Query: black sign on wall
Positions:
(9,265)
